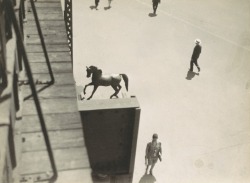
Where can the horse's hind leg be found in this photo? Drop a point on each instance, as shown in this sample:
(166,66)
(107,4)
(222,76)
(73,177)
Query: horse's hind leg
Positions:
(117,88)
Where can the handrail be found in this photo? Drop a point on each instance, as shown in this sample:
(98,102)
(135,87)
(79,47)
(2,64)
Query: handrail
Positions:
(13,18)
(3,40)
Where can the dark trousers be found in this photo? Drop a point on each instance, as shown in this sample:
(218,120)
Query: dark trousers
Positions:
(96,3)
(155,5)
(192,62)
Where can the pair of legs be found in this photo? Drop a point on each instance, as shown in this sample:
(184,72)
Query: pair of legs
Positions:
(96,3)
(109,3)
(116,87)
(151,164)
(194,62)
(155,5)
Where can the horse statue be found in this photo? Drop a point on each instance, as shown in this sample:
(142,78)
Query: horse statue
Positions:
(98,79)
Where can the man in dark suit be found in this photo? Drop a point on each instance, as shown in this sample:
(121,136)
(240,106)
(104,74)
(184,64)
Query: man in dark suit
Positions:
(155,5)
(195,55)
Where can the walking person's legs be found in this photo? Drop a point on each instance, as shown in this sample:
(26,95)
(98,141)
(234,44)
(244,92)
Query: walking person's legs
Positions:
(191,65)
(148,164)
(155,5)
(197,65)
(96,3)
(151,169)
(146,169)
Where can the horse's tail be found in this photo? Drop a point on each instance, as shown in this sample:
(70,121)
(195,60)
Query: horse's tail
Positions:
(125,78)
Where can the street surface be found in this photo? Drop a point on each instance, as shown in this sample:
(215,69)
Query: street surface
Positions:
(203,122)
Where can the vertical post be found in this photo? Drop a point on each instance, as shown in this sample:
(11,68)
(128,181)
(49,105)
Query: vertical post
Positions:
(19,54)
(134,142)
(69,26)
(3,73)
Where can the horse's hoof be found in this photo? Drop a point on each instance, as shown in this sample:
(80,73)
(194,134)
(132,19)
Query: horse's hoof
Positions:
(88,98)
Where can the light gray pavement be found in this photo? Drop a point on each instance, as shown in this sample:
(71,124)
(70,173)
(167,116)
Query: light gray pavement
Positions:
(203,123)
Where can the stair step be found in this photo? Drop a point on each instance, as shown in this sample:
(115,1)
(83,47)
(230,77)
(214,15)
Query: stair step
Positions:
(53,91)
(60,121)
(53,57)
(42,68)
(59,140)
(48,39)
(66,159)
(50,106)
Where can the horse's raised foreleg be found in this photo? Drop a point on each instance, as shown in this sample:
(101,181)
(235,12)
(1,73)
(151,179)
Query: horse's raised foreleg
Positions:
(84,90)
(95,87)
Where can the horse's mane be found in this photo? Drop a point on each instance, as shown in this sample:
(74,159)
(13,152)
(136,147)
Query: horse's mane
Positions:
(99,71)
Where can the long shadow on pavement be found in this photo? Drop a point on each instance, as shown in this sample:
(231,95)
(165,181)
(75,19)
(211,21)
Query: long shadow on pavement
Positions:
(191,74)
(152,15)
(147,178)
(107,8)
(92,7)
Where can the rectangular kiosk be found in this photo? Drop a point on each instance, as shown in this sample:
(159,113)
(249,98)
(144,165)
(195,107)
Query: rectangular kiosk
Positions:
(110,128)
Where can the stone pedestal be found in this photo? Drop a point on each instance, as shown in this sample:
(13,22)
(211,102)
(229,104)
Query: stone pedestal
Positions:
(110,129)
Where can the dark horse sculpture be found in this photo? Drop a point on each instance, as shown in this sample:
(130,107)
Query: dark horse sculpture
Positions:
(98,79)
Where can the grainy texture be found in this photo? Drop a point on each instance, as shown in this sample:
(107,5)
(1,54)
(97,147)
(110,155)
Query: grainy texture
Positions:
(58,101)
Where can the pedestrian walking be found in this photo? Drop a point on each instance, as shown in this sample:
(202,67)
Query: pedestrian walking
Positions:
(195,55)
(155,5)
(96,4)
(153,153)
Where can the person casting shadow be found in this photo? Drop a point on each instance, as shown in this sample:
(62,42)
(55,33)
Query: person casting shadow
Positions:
(153,153)
(195,55)
(147,178)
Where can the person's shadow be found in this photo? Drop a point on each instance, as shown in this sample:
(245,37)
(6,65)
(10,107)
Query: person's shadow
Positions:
(147,178)
(107,8)
(191,74)
(92,7)
(152,15)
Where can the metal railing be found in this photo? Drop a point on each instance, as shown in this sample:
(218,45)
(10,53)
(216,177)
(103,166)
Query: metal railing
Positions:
(4,32)
(12,20)
(68,23)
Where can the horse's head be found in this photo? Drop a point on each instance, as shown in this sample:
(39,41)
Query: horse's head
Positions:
(88,69)
(91,70)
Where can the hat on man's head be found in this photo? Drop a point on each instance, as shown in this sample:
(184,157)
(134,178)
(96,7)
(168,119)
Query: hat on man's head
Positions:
(197,41)
(155,136)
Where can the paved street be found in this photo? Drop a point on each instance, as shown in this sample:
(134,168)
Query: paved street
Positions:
(203,122)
